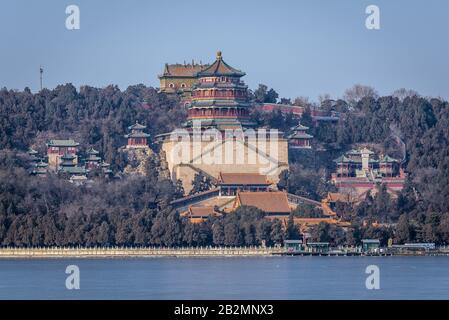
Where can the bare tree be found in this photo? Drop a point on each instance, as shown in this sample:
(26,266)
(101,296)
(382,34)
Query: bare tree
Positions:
(324,97)
(358,92)
(403,93)
(301,101)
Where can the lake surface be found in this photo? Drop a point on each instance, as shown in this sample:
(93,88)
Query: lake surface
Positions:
(227,278)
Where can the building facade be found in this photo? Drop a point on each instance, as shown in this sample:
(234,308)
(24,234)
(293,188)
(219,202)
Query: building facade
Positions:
(58,148)
(92,159)
(137,138)
(230,184)
(220,103)
(220,99)
(360,170)
(180,79)
(300,139)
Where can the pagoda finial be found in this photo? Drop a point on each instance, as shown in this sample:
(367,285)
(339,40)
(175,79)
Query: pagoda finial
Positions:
(218,55)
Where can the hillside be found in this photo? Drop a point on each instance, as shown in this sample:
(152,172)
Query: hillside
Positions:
(135,210)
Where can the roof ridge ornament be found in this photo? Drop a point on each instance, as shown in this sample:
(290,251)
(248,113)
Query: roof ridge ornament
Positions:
(219,55)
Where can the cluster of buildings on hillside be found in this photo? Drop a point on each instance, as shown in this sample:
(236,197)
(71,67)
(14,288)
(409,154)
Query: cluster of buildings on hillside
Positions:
(182,78)
(359,171)
(217,98)
(63,156)
(234,190)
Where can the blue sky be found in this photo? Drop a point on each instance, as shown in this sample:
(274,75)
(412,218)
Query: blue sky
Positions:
(300,48)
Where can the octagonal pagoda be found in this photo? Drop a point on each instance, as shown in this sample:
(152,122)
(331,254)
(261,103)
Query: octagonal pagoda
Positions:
(220,99)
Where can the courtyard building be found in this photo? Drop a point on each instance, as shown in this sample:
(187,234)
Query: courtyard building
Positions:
(360,170)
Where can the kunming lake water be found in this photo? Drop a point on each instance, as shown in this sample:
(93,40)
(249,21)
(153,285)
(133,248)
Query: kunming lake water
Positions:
(227,278)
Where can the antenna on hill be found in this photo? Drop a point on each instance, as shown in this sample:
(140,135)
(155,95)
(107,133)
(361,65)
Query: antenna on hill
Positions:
(41,73)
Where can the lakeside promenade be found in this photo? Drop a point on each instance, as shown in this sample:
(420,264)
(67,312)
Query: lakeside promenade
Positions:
(102,252)
(142,252)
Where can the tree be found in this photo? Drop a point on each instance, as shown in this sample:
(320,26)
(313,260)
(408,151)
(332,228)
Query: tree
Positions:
(285,101)
(218,234)
(306,182)
(263,95)
(403,93)
(443,229)
(404,231)
(306,118)
(233,236)
(260,93)
(357,92)
(200,183)
(292,232)
(277,234)
(302,102)
(190,234)
(307,211)
(321,232)
(353,236)
(271,96)
(104,234)
(173,230)
(263,229)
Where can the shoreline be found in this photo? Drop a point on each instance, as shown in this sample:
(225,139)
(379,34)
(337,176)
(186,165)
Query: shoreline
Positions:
(200,252)
(148,252)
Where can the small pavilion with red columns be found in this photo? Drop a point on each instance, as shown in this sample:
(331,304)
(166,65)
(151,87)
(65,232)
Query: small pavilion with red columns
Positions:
(137,138)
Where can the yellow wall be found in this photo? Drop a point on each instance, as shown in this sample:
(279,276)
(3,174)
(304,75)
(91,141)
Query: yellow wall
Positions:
(165,82)
(186,173)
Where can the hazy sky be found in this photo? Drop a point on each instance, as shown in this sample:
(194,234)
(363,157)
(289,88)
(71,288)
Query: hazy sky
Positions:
(300,48)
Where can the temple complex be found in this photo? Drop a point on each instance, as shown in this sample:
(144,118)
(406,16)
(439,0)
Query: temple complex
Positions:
(63,159)
(220,102)
(359,171)
(242,162)
(57,148)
